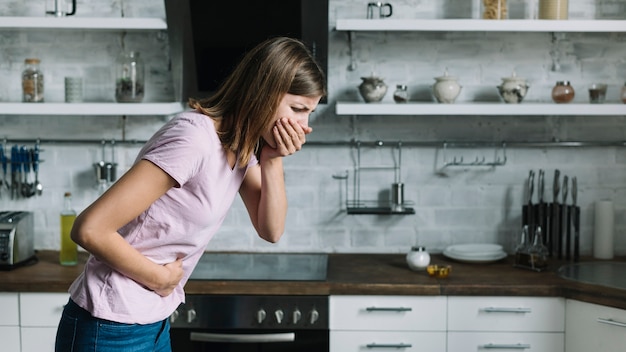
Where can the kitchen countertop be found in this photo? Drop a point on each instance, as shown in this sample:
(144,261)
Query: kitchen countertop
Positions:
(358,274)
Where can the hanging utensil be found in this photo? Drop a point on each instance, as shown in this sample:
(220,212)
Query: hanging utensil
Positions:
(35,159)
(563,234)
(541,218)
(527,208)
(554,215)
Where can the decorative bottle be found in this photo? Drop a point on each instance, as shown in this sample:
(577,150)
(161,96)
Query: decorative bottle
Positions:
(418,258)
(32,81)
(129,80)
(69,249)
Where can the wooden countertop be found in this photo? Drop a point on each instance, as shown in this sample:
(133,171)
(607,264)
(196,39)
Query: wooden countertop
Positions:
(357,274)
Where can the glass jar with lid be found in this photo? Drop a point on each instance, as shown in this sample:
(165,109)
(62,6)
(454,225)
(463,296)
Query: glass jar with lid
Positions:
(495,9)
(129,81)
(563,92)
(401,95)
(32,81)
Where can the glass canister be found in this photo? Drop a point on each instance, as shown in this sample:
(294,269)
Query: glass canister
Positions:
(129,80)
(401,95)
(553,9)
(563,92)
(495,10)
(32,81)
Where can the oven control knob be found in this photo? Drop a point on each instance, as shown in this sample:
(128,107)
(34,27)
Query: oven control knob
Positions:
(174,316)
(260,315)
(191,315)
(297,315)
(315,315)
(279,314)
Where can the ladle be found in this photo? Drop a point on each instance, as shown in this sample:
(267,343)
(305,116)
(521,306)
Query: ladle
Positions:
(38,187)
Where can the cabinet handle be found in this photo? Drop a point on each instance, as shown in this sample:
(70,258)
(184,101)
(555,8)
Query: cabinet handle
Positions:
(611,322)
(388,309)
(389,345)
(516,346)
(242,338)
(506,310)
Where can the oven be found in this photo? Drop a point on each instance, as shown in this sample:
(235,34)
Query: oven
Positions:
(240,323)
(259,323)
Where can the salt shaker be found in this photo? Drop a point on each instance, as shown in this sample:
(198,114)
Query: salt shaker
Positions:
(418,258)
(401,95)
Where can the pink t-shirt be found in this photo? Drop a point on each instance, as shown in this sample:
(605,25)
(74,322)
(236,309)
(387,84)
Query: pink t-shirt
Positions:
(179,224)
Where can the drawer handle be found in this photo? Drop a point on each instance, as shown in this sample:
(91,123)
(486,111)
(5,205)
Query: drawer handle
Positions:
(516,346)
(506,310)
(388,309)
(611,322)
(389,345)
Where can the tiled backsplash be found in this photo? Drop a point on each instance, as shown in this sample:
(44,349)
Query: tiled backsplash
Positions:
(453,204)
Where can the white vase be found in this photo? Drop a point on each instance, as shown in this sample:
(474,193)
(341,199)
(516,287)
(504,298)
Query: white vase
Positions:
(446,89)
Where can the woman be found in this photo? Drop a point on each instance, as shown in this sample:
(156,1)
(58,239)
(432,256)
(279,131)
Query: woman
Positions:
(148,231)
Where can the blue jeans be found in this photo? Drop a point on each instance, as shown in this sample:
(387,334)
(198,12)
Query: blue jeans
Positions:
(79,331)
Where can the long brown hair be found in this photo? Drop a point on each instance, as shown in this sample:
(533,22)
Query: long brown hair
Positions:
(246,101)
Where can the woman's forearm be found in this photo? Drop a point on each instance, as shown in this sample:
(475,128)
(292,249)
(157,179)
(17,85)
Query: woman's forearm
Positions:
(272,208)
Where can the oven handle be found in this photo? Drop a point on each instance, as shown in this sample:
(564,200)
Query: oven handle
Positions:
(242,338)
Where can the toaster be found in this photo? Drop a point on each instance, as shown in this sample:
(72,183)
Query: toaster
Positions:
(17,238)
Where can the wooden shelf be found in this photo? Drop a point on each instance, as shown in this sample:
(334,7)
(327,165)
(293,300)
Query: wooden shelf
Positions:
(482,109)
(469,25)
(85,23)
(91,109)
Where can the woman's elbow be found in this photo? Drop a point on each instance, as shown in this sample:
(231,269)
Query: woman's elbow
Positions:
(271,237)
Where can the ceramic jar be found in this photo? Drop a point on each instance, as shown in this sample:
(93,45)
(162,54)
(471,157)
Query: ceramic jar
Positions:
(418,258)
(563,92)
(372,89)
(446,88)
(513,89)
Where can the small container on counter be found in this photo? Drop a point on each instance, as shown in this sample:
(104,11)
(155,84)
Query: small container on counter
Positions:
(401,95)
(32,81)
(495,10)
(563,92)
(418,258)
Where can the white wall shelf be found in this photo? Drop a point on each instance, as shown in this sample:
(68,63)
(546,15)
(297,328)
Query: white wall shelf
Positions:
(91,109)
(83,23)
(481,109)
(468,25)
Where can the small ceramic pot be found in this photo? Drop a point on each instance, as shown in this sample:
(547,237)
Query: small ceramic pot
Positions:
(372,89)
(446,88)
(513,89)
(418,258)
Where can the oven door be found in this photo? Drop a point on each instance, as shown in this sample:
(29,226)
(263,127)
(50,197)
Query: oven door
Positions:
(248,340)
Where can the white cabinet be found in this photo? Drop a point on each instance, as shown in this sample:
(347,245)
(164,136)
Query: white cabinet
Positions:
(39,316)
(399,323)
(595,328)
(534,324)
(9,322)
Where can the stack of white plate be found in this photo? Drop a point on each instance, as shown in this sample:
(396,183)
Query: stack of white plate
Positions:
(475,252)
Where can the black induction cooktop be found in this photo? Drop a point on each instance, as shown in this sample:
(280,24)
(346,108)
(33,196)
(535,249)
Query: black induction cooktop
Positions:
(261,266)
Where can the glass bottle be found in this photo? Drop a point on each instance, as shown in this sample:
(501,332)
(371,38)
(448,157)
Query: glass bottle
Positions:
(32,81)
(129,78)
(418,258)
(69,250)
(401,95)
(522,249)
(563,92)
(495,10)
(538,252)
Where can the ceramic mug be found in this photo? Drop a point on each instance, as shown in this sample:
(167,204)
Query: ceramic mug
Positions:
(382,7)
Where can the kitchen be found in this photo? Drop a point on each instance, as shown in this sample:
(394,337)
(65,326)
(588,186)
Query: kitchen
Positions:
(455,204)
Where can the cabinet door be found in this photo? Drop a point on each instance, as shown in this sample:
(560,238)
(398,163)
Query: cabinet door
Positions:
(10,338)
(42,309)
(505,341)
(9,306)
(596,328)
(388,313)
(358,341)
(506,314)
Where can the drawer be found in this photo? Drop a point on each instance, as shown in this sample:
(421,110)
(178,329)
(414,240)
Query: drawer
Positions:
(38,339)
(9,306)
(537,314)
(358,341)
(42,309)
(10,337)
(390,313)
(506,341)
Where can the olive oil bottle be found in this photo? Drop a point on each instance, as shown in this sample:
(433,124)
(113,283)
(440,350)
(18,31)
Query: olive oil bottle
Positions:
(69,249)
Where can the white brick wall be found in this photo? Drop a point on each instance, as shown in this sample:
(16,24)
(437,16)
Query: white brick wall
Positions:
(453,205)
